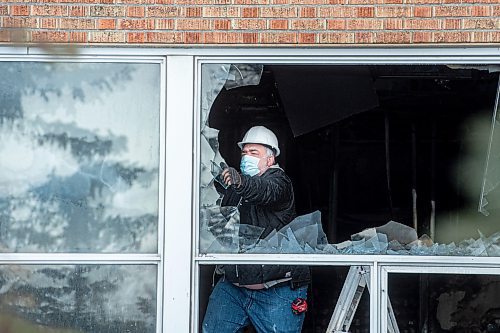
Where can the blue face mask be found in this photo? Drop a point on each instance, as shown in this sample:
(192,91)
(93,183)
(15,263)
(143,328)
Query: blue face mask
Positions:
(249,165)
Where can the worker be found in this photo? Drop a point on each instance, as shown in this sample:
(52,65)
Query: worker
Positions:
(272,298)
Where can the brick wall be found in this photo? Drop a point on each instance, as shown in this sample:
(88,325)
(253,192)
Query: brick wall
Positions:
(251,22)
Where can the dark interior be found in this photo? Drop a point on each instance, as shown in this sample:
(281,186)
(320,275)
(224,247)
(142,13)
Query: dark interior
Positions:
(359,142)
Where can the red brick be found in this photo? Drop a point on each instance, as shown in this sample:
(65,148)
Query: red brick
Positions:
(335,24)
(49,36)
(422,2)
(278,24)
(136,24)
(496,11)
(249,24)
(422,11)
(350,12)
(48,23)
(422,37)
(136,11)
(192,24)
(78,11)
(164,24)
(20,22)
(250,37)
(307,12)
(109,11)
(361,2)
(223,37)
(221,11)
(422,24)
(18,35)
(401,37)
(393,2)
(393,24)
(330,12)
(251,2)
(280,2)
(163,11)
(278,38)
(368,24)
(364,37)
(482,24)
(393,11)
(106,24)
(452,24)
(5,36)
(452,37)
(108,37)
(78,37)
(250,12)
(164,37)
(365,12)
(317,24)
(336,38)
(456,11)
(481,37)
(307,38)
(222,24)
(135,37)
(480,11)
(192,37)
(193,12)
(77,23)
(47,10)
(20,10)
(495,37)
(278,12)
(308,2)
(337,2)
(4,10)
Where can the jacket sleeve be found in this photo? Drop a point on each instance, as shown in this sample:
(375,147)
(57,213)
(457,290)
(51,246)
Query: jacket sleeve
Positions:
(265,190)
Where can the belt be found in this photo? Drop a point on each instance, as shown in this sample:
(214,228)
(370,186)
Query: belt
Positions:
(265,285)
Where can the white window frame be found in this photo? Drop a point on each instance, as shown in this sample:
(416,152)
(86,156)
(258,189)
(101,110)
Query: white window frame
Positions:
(379,265)
(178,258)
(96,258)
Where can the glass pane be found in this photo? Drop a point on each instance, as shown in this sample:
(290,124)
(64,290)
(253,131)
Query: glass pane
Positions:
(445,302)
(383,159)
(81,298)
(79,147)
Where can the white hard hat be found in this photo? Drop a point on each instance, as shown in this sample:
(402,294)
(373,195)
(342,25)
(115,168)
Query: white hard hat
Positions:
(260,135)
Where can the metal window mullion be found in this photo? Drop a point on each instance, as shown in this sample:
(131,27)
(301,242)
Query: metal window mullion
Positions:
(161,198)
(178,194)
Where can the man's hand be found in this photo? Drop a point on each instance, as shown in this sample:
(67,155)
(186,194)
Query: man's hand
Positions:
(231,177)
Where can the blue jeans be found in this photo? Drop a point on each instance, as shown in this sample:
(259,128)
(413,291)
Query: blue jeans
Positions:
(231,308)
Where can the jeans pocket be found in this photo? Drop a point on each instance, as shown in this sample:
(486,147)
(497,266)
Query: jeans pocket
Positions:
(288,294)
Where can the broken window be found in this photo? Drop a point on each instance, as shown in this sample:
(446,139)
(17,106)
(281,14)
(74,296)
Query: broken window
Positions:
(384,159)
(445,302)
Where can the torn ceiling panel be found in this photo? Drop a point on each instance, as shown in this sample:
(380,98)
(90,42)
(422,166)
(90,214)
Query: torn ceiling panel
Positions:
(317,96)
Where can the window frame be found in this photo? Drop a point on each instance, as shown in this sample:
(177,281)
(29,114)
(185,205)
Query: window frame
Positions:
(377,263)
(102,258)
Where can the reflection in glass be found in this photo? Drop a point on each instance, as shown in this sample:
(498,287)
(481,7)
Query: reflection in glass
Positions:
(445,302)
(88,299)
(80,154)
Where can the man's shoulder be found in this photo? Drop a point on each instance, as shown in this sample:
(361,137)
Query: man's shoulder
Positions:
(275,172)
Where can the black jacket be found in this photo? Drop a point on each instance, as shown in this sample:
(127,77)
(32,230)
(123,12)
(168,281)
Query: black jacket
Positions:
(267,201)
